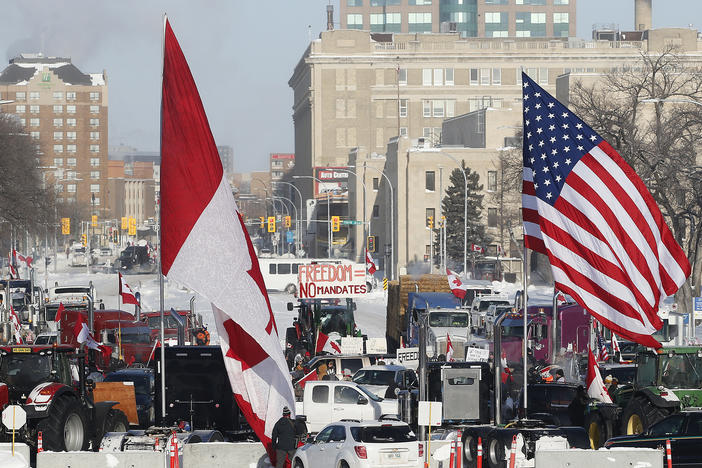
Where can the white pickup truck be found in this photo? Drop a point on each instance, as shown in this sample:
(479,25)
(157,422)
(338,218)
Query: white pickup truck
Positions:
(326,401)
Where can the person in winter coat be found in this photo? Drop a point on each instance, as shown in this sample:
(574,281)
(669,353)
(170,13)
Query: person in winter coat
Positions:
(284,439)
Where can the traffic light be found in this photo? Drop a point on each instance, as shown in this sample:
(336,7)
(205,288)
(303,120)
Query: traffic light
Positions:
(287,221)
(443,221)
(65,226)
(336,223)
(263,222)
(132,226)
(115,236)
(125,223)
(370,244)
(271,224)
(93,221)
(430,222)
(84,239)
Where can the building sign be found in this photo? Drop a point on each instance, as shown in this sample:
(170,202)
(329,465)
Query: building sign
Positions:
(283,156)
(328,280)
(334,180)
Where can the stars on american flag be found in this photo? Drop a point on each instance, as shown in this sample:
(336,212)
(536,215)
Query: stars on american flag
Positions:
(550,150)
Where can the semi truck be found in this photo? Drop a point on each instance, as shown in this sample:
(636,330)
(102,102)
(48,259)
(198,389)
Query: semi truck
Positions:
(446,319)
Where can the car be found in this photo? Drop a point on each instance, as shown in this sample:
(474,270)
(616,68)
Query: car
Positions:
(46,338)
(356,444)
(493,313)
(144,390)
(378,378)
(683,429)
(624,373)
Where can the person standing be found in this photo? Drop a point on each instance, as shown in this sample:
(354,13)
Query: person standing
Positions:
(283,438)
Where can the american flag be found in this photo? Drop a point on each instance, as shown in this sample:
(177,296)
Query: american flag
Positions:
(583,206)
(602,355)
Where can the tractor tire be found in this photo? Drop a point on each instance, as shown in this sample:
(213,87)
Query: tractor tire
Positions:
(599,429)
(65,427)
(496,452)
(116,421)
(640,414)
(470,450)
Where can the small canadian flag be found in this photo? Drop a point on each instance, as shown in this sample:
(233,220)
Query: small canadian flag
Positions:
(449,348)
(128,296)
(476,248)
(324,343)
(370,263)
(457,287)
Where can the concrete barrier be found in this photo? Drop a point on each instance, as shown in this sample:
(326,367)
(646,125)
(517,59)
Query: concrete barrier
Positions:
(20,459)
(141,459)
(222,454)
(603,458)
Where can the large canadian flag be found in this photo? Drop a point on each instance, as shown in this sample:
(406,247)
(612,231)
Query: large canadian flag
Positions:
(126,292)
(595,386)
(205,247)
(370,263)
(324,343)
(457,287)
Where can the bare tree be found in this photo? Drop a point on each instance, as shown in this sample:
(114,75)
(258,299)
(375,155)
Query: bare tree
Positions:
(648,113)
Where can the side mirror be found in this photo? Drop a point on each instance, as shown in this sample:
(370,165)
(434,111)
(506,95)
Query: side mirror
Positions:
(290,306)
(362,401)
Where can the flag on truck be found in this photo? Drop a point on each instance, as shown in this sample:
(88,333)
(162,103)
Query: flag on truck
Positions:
(615,345)
(12,265)
(128,296)
(16,325)
(595,386)
(449,348)
(583,206)
(602,354)
(83,336)
(326,344)
(59,312)
(370,263)
(200,220)
(26,260)
(457,287)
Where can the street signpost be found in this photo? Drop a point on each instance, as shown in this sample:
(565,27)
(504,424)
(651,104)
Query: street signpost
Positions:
(352,222)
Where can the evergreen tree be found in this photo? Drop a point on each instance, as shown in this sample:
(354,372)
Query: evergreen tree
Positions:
(452,207)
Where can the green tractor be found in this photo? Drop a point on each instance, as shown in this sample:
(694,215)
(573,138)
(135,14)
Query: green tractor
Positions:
(667,381)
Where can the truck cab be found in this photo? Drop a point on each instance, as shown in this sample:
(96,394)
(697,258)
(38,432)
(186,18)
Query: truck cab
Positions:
(479,308)
(446,318)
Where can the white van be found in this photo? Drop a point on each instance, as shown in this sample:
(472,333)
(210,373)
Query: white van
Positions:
(280,273)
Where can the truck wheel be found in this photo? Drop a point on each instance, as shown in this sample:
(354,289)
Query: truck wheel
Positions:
(496,452)
(599,429)
(639,415)
(298,463)
(64,429)
(116,421)
(470,450)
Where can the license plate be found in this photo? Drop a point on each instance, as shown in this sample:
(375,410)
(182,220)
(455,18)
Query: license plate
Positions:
(392,456)
(21,350)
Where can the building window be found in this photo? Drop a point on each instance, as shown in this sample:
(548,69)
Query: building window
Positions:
(449,76)
(484,76)
(59,188)
(33,122)
(376,183)
(58,161)
(95,162)
(58,135)
(353,3)
(492,181)
(35,135)
(23,122)
(560,2)
(20,96)
(70,135)
(71,148)
(95,201)
(58,95)
(543,75)
(34,109)
(71,162)
(403,131)
(71,122)
(70,95)
(71,175)
(492,217)
(430,212)
(94,122)
(94,96)
(94,174)
(94,188)
(354,21)
(20,109)
(420,2)
(71,188)
(430,181)
(403,107)
(58,148)
(426,108)
(426,76)
(94,148)
(438,108)
(402,76)
(94,109)
(419,22)
(496,76)
(34,96)
(70,109)
(94,135)
(58,122)
(376,211)
(58,109)
(474,76)
(438,77)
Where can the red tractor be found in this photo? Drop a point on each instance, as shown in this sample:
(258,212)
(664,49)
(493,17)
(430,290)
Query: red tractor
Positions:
(58,403)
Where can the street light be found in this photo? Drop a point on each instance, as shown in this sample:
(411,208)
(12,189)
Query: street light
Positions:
(392,217)
(367,233)
(294,208)
(465,213)
(299,194)
(329,249)
(675,100)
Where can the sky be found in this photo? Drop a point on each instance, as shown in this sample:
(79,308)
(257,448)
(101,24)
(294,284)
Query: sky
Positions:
(241,53)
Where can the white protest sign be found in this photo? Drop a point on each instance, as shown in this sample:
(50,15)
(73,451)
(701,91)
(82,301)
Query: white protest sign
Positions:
(330,280)
(376,346)
(429,413)
(351,345)
(477,354)
(408,357)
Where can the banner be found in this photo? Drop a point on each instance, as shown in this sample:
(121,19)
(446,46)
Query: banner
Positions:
(325,280)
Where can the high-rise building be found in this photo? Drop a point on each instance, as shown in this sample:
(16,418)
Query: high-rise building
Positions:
(65,112)
(226,155)
(469,18)
(281,164)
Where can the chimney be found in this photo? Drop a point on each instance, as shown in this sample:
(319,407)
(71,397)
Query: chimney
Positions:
(642,15)
(330,17)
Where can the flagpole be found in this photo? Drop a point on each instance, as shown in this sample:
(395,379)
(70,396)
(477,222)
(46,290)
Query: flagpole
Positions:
(160,247)
(525,313)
